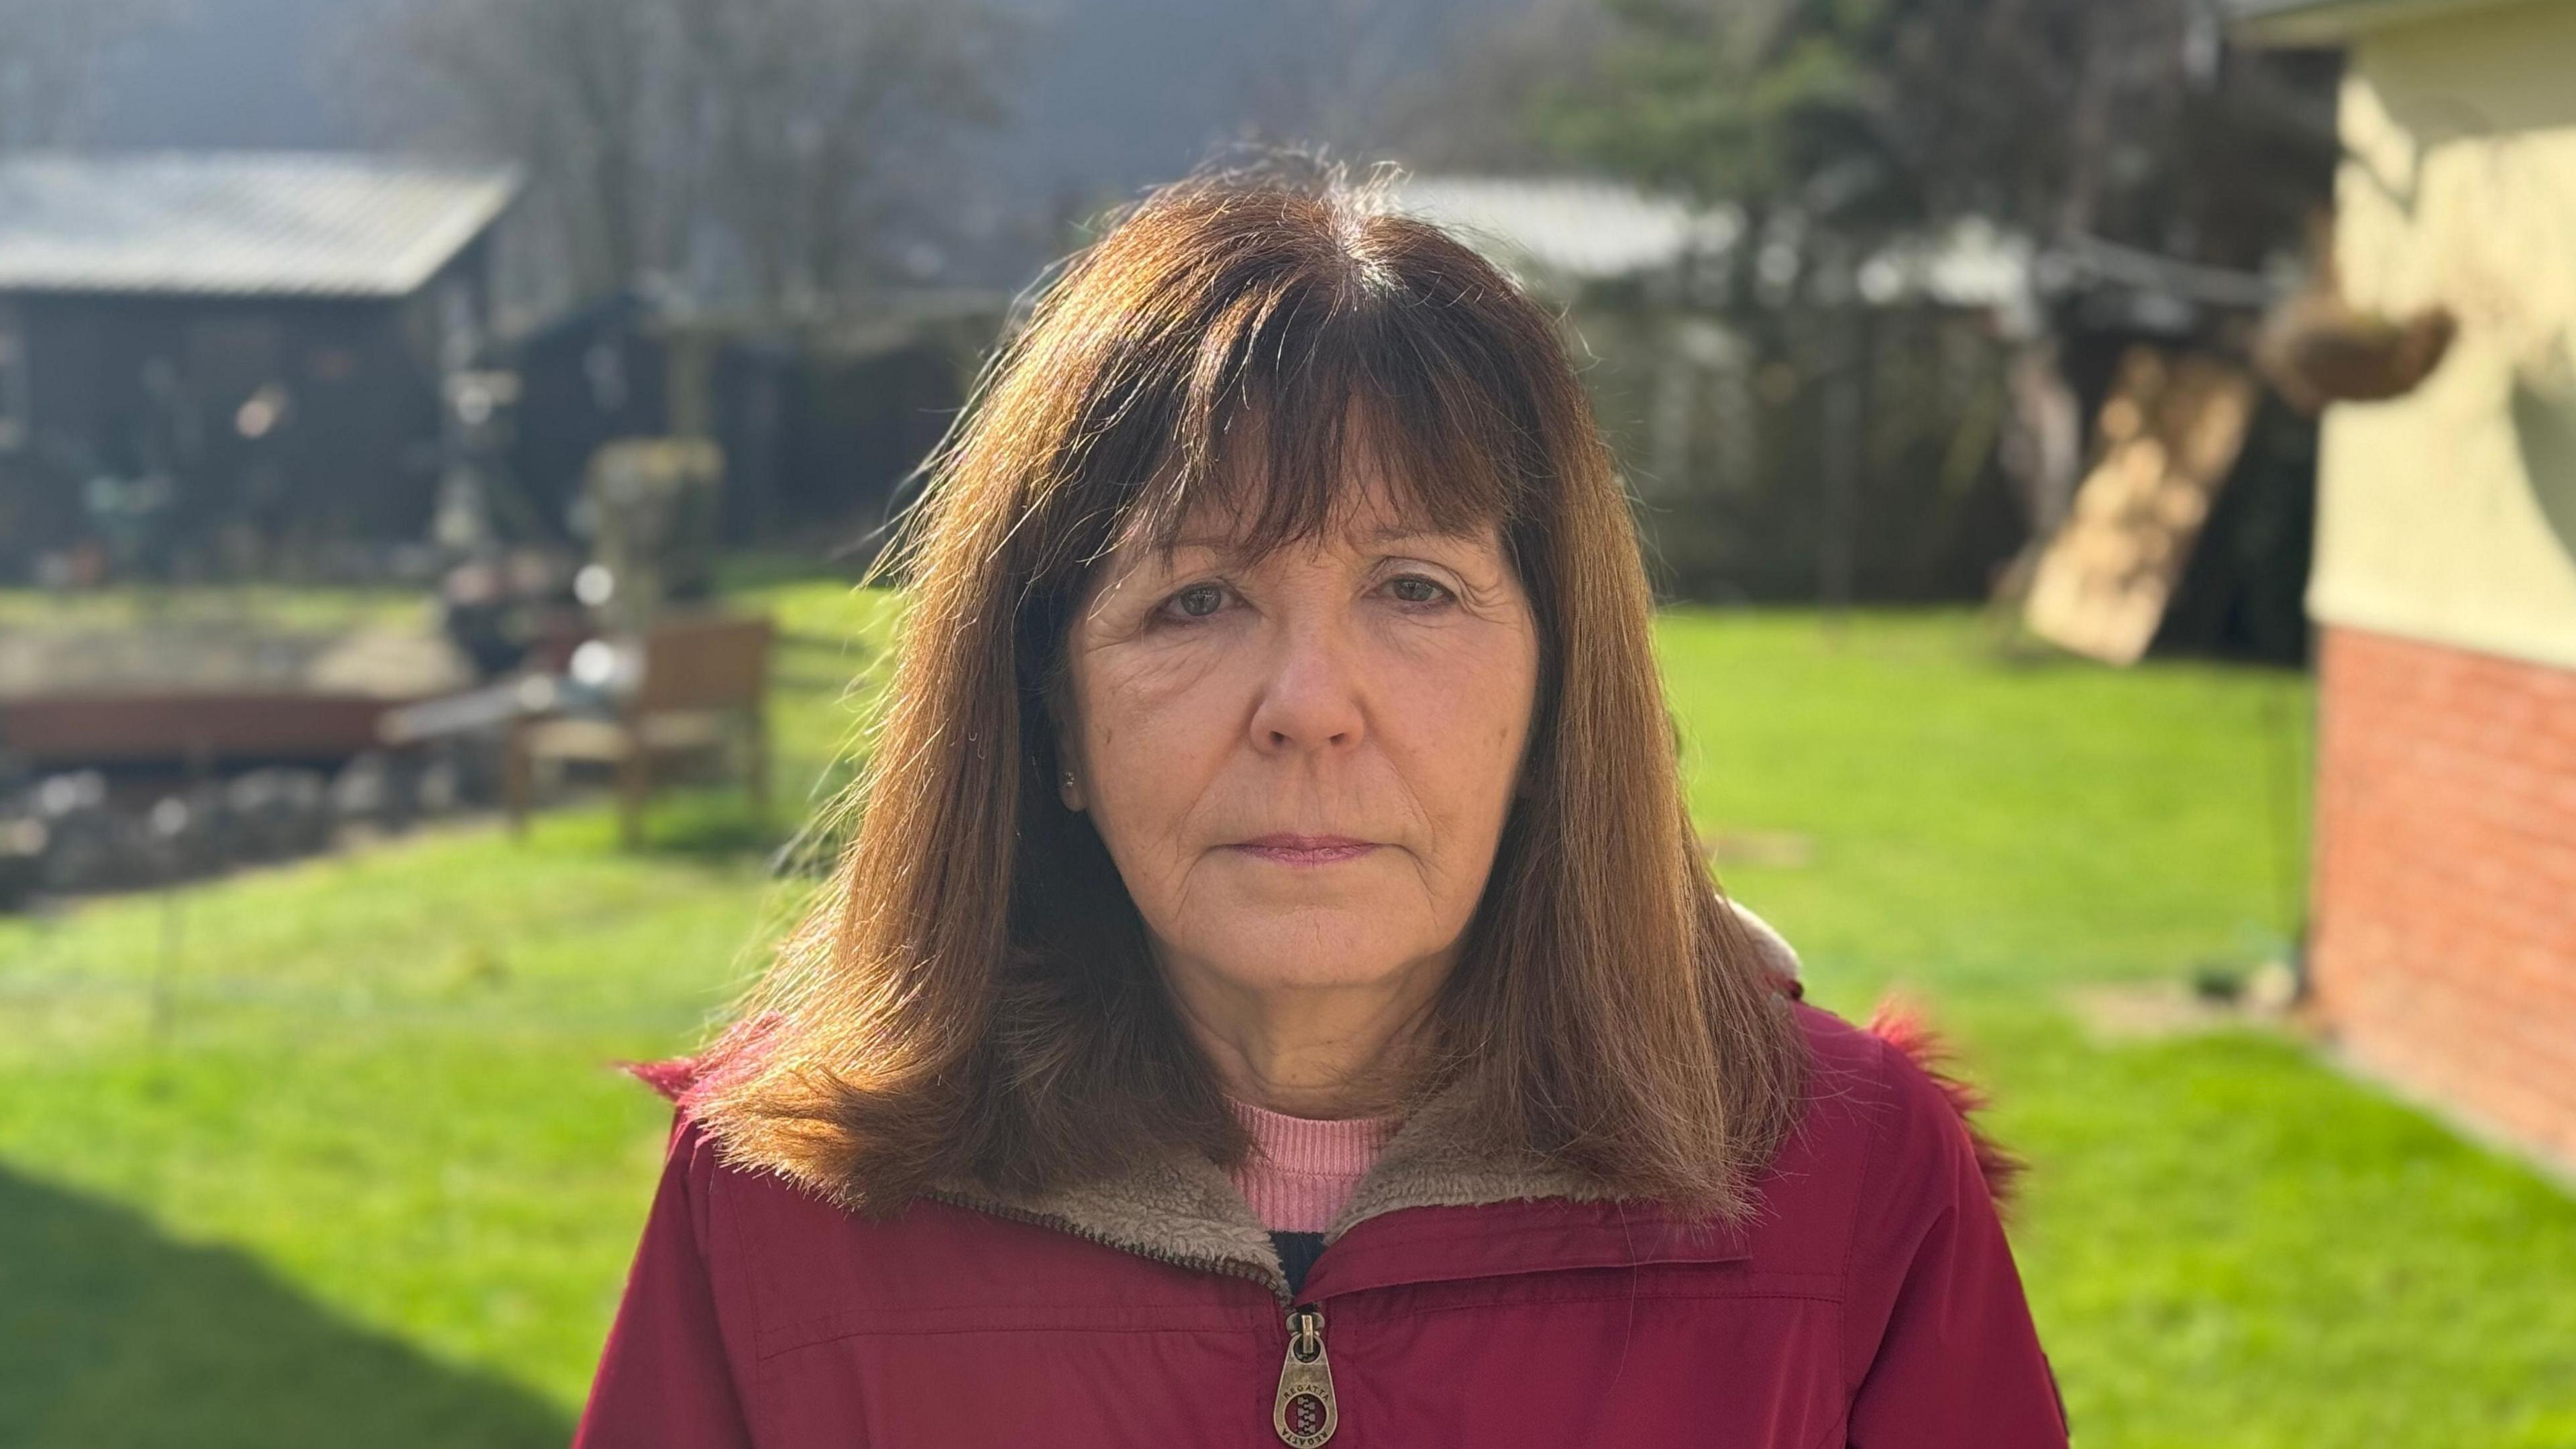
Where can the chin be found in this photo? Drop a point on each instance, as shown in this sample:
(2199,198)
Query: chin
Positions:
(1314,949)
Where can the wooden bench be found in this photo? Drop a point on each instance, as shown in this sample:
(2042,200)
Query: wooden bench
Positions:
(703,688)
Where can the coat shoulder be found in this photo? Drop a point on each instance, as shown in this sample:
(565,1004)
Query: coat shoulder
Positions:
(1897,1075)
(1886,1097)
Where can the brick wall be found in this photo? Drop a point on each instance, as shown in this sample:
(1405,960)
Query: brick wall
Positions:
(2442,948)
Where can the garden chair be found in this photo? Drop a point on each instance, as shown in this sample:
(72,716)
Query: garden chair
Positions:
(700,689)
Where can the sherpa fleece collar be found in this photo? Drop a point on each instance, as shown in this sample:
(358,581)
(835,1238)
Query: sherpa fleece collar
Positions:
(1184,1209)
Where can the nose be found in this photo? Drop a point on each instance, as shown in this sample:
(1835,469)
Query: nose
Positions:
(1310,690)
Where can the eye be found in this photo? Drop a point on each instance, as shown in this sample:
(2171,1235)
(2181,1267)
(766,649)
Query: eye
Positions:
(1415,589)
(1198,601)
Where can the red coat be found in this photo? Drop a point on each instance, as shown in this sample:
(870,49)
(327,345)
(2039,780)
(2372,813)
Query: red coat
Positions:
(1873,1302)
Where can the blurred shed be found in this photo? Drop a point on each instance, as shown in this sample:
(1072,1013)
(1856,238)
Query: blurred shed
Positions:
(216,363)
(1787,439)
(820,419)
(1562,234)
(1778,450)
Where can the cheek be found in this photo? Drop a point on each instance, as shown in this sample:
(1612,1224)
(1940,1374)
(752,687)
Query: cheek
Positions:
(1460,716)
(1155,728)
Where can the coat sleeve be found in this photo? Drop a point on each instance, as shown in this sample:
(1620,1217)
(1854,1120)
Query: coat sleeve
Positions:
(671,1375)
(1940,1347)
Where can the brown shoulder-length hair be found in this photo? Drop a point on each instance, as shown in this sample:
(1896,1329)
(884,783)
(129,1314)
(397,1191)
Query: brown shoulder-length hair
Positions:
(972,995)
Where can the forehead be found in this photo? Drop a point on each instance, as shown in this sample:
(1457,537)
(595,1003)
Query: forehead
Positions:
(1352,497)
(1368,523)
(1303,460)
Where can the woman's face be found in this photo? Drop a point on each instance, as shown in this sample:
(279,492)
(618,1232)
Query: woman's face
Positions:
(1302,766)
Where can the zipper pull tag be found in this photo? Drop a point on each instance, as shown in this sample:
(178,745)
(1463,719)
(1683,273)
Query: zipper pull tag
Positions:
(1304,1414)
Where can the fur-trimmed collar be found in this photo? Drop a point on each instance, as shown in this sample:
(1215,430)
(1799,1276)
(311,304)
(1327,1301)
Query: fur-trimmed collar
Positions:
(1184,1208)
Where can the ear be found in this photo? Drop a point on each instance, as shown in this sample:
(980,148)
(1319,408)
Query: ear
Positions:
(1068,776)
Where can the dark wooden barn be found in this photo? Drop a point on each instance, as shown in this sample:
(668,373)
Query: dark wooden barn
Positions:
(222,364)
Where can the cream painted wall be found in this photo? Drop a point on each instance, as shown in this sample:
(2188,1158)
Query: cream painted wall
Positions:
(2450,515)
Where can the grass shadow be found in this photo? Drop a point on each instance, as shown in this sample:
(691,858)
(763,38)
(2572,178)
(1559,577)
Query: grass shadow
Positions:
(113,1336)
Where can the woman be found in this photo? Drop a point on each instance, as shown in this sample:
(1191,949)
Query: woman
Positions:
(1272,994)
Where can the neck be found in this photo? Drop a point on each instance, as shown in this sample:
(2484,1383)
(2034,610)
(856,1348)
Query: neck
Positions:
(1317,1052)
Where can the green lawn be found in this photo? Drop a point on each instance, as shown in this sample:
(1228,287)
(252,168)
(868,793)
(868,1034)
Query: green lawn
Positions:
(334,1153)
(2225,1242)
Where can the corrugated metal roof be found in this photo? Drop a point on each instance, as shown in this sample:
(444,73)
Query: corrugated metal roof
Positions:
(2328,22)
(1586,230)
(238,223)
(1581,228)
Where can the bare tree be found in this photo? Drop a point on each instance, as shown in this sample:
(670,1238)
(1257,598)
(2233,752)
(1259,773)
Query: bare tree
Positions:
(821,122)
(758,148)
(1357,77)
(1321,71)
(51,52)
(1473,112)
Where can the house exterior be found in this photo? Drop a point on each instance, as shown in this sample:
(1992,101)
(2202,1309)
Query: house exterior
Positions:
(212,363)
(2442,951)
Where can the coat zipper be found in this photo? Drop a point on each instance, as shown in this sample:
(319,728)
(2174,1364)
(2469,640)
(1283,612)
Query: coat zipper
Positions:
(1304,1412)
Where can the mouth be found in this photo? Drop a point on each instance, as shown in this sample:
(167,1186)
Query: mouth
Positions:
(1286,849)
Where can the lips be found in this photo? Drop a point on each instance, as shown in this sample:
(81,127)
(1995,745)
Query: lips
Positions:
(1286,849)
